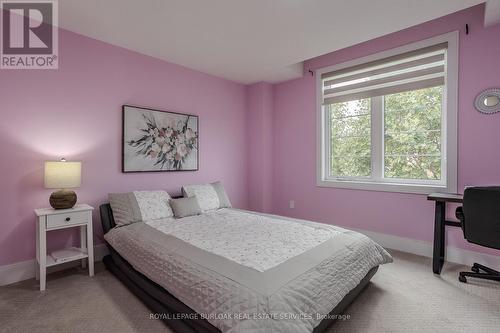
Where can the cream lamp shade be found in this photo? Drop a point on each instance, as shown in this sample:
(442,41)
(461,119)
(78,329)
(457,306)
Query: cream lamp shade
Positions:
(62,174)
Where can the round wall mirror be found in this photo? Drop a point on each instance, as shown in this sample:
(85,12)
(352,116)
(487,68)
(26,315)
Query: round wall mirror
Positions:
(491,100)
(488,101)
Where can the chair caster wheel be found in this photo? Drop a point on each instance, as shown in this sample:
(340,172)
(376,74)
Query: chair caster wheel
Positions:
(475,269)
(462,279)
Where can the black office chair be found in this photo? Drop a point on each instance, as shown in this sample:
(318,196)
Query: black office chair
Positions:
(480,219)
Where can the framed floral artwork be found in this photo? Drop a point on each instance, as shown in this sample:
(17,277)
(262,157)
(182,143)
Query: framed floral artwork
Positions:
(155,140)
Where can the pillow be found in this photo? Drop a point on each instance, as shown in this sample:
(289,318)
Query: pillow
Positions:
(206,195)
(221,194)
(125,208)
(139,206)
(183,207)
(153,204)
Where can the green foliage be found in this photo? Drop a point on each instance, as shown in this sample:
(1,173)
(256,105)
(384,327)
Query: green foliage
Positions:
(412,136)
(350,138)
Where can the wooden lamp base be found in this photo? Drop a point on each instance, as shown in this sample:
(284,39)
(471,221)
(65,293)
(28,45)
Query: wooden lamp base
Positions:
(63,199)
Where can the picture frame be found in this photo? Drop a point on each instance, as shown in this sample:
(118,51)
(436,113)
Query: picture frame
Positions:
(159,141)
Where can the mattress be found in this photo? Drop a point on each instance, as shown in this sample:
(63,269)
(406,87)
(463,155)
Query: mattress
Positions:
(250,272)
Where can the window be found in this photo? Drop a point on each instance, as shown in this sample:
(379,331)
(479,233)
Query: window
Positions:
(387,122)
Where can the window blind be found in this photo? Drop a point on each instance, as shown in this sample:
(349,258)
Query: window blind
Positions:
(423,68)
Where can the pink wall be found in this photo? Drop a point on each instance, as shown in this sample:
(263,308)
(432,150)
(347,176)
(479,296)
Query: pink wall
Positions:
(405,215)
(75,112)
(260,108)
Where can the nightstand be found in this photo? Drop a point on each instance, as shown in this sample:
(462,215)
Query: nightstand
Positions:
(54,219)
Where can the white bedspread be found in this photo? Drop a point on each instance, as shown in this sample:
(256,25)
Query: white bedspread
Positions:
(256,241)
(249,272)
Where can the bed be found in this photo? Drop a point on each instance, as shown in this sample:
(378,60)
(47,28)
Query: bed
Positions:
(213,273)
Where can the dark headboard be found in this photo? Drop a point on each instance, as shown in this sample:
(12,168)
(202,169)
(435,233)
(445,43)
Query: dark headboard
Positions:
(107,219)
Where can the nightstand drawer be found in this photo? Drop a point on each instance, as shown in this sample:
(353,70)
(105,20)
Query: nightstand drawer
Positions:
(63,220)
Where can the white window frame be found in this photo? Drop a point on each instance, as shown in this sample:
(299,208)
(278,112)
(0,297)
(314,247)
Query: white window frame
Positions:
(448,137)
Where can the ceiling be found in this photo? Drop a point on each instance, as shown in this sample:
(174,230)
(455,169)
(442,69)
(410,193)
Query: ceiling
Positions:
(246,41)
(492,13)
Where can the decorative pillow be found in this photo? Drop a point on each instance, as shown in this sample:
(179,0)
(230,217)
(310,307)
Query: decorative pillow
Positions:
(183,207)
(153,204)
(221,194)
(125,208)
(206,195)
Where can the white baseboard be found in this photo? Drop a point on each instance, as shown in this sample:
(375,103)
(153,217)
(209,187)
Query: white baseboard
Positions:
(25,270)
(423,248)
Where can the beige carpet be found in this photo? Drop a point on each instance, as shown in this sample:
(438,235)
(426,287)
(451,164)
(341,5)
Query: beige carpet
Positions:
(403,297)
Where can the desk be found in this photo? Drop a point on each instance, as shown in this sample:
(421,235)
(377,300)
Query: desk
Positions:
(440,223)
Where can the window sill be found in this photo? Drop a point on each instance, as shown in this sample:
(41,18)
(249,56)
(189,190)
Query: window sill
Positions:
(386,187)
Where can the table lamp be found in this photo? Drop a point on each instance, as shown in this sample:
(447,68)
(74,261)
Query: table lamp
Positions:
(62,175)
